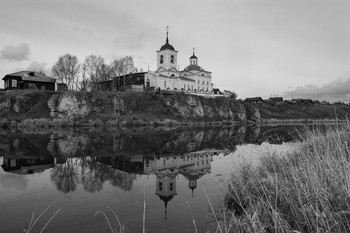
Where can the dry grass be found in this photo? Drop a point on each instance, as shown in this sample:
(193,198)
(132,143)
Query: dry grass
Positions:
(307,191)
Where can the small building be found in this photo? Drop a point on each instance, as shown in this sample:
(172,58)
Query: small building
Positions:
(325,102)
(128,82)
(298,101)
(307,101)
(315,101)
(28,80)
(254,100)
(290,102)
(276,99)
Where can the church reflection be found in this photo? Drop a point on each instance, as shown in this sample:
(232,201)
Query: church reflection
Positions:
(120,171)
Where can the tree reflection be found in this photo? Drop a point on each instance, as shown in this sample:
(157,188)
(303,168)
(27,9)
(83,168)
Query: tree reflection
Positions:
(122,179)
(65,176)
(91,174)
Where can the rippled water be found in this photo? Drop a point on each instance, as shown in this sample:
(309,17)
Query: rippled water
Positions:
(80,172)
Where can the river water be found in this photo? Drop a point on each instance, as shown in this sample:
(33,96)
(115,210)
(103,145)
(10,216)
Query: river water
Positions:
(157,179)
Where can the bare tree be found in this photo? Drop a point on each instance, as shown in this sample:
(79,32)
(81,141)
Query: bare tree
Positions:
(94,68)
(122,66)
(67,69)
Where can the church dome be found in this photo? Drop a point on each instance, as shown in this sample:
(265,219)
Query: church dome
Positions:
(167,46)
(193,56)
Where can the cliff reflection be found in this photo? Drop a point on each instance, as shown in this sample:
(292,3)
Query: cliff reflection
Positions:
(92,158)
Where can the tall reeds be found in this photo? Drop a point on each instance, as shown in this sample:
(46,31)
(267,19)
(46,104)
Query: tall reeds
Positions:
(306,191)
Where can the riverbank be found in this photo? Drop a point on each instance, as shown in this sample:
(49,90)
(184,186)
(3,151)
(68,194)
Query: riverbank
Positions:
(32,108)
(306,191)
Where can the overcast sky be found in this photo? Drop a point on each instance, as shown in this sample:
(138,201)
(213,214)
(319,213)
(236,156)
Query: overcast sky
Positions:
(291,48)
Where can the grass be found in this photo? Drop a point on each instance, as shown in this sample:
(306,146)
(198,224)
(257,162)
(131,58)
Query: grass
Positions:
(34,219)
(306,191)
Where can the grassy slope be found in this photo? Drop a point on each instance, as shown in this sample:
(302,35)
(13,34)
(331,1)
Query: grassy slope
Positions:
(307,191)
(301,111)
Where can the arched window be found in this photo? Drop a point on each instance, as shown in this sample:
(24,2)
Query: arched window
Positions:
(172,59)
(148,84)
(160,186)
(161,60)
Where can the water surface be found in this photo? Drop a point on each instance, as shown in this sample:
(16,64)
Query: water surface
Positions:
(82,171)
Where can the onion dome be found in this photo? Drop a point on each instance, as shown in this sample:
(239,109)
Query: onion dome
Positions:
(167,45)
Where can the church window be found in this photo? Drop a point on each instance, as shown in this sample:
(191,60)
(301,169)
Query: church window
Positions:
(172,59)
(171,186)
(148,84)
(161,59)
(160,186)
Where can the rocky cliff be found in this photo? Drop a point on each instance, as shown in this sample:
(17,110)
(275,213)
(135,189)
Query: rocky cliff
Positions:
(117,108)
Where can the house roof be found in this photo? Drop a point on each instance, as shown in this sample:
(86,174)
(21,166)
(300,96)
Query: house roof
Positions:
(254,99)
(276,98)
(31,76)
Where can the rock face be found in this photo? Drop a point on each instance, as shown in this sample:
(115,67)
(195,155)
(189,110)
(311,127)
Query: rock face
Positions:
(253,114)
(211,109)
(22,104)
(175,107)
(69,105)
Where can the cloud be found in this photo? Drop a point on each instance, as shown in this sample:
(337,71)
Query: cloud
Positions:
(39,67)
(18,52)
(339,89)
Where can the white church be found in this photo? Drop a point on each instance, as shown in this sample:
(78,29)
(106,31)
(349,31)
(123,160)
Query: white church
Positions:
(167,76)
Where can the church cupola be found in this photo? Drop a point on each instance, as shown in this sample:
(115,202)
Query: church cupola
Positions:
(167,55)
(194,59)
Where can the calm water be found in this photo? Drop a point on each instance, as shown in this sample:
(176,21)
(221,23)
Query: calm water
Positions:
(84,171)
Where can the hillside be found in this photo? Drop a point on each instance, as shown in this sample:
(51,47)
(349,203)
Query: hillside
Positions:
(301,111)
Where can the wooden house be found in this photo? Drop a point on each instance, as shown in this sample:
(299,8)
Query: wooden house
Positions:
(254,100)
(28,80)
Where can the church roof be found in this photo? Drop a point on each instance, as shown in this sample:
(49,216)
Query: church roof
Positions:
(167,46)
(194,56)
(187,79)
